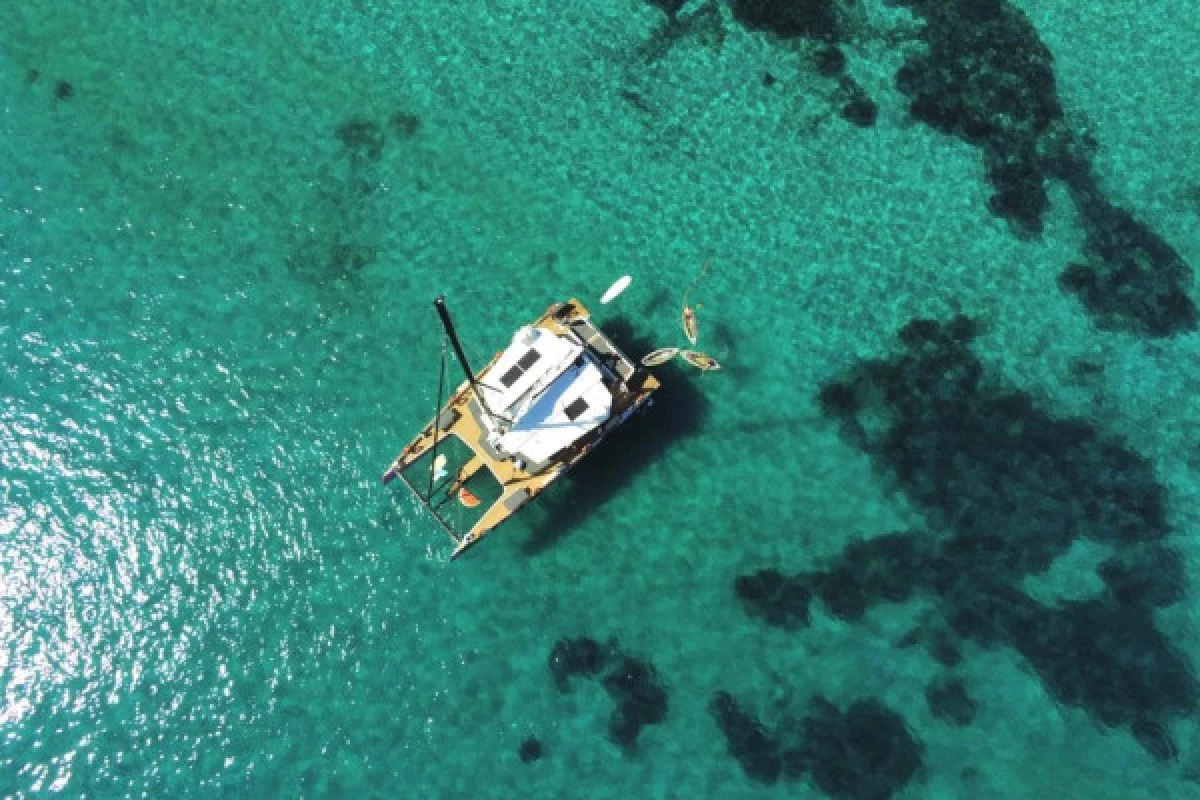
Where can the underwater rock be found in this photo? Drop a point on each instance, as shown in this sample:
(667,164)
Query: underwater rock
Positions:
(530,750)
(780,600)
(747,740)
(405,124)
(948,701)
(1014,485)
(1008,488)
(987,78)
(578,656)
(830,61)
(841,593)
(941,643)
(943,648)
(812,19)
(362,137)
(668,7)
(1155,738)
(1111,660)
(1151,575)
(866,753)
(860,111)
(872,571)
(633,684)
(1133,280)
(641,700)
(838,399)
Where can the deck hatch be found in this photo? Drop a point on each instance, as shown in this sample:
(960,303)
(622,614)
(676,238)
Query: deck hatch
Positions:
(576,407)
(529,359)
(520,368)
(511,377)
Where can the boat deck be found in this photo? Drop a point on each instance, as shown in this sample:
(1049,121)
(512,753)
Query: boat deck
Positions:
(463,418)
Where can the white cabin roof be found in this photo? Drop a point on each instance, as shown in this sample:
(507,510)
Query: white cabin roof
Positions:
(574,404)
(535,357)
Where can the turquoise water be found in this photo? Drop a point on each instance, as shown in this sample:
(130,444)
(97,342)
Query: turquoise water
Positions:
(221,227)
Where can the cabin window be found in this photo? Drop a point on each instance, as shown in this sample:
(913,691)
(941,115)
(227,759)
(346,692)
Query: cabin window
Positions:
(529,359)
(577,407)
(523,363)
(510,377)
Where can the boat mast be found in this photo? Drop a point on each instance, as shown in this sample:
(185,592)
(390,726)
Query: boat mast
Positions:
(440,305)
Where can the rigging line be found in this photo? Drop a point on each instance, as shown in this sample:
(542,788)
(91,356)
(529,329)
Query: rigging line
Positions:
(436,516)
(448,326)
(437,412)
(703,271)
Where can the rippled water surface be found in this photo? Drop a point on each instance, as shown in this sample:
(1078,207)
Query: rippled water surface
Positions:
(221,227)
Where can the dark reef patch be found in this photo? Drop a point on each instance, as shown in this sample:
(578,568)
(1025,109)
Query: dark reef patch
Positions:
(1009,488)
(948,701)
(826,22)
(668,7)
(405,124)
(860,111)
(748,741)
(867,573)
(364,138)
(1149,575)
(1155,738)
(871,572)
(530,750)
(987,78)
(640,699)
(789,19)
(830,61)
(633,684)
(1132,279)
(781,600)
(704,24)
(864,753)
(578,656)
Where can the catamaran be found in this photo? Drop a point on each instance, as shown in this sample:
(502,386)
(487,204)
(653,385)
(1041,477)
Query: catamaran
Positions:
(537,408)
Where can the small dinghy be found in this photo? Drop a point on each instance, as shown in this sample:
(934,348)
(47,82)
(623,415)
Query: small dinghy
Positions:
(659,357)
(701,361)
(690,330)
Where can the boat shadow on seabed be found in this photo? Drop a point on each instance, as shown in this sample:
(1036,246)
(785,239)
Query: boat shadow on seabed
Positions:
(680,409)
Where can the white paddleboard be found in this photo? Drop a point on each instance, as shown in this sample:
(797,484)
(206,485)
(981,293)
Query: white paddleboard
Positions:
(615,290)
